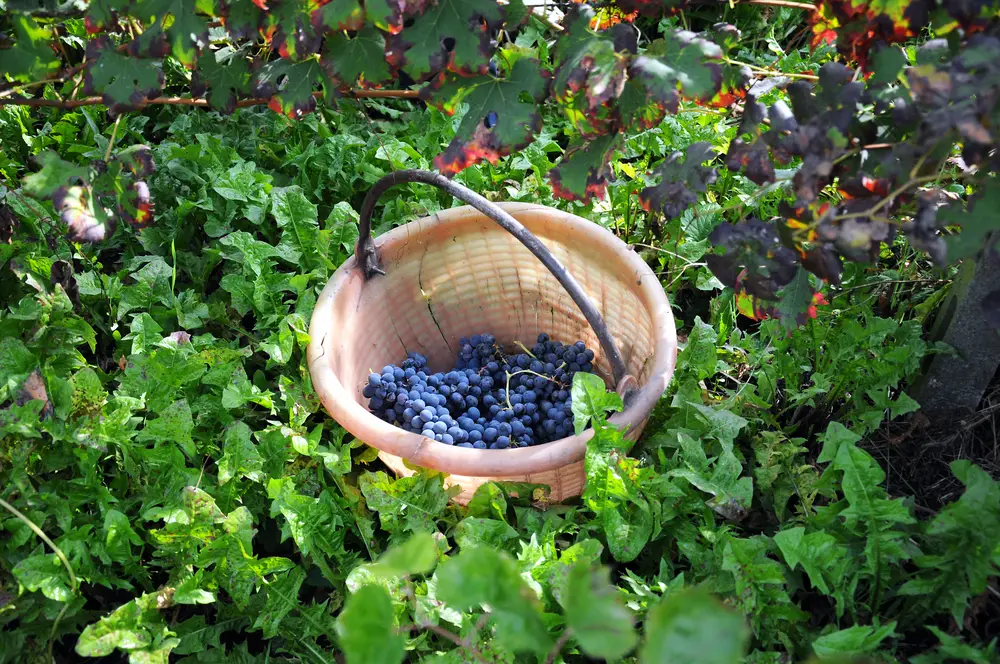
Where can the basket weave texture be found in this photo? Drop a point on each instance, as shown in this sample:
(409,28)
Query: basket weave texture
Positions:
(457,273)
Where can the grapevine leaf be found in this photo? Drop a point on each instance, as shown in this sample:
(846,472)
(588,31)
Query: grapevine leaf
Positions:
(796,303)
(85,217)
(680,183)
(388,15)
(601,623)
(367,628)
(338,15)
(226,76)
(358,60)
(692,626)
(589,74)
(453,35)
(188,30)
(100,13)
(682,67)
(242,19)
(978,220)
(32,57)
(289,27)
(289,85)
(499,121)
(54,173)
(752,155)
(124,82)
(584,170)
(753,258)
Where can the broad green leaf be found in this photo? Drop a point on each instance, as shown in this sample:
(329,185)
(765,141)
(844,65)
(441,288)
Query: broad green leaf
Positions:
(144,333)
(600,622)
(699,353)
(693,627)
(31,58)
(290,86)
(316,524)
(591,400)
(119,536)
(367,628)
(419,51)
(297,216)
(978,220)
(189,591)
(585,169)
(409,504)
(474,531)
(417,555)
(502,118)
(124,81)
(357,60)
(45,573)
(855,640)
(342,226)
(54,173)
(226,75)
(681,184)
(463,585)
(174,425)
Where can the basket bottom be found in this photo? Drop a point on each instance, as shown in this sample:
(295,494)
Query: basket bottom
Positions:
(564,482)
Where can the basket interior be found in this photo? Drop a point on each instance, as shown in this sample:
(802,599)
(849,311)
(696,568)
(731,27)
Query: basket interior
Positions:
(454,277)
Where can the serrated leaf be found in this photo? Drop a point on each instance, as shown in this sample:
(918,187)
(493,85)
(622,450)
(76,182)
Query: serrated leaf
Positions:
(367,628)
(796,299)
(289,27)
(409,504)
(978,220)
(499,121)
(289,85)
(32,57)
(585,169)
(855,640)
(600,622)
(680,183)
(683,67)
(358,60)
(475,531)
(693,627)
(591,400)
(339,15)
(388,15)
(124,82)
(226,76)
(53,174)
(240,457)
(451,35)
(187,30)
(282,599)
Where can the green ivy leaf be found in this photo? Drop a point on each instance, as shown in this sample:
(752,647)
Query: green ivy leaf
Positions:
(600,622)
(692,626)
(591,400)
(31,58)
(367,629)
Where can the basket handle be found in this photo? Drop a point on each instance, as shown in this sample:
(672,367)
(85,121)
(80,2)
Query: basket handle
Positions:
(367,256)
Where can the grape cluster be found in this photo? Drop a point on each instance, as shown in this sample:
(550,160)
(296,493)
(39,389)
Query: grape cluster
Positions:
(489,400)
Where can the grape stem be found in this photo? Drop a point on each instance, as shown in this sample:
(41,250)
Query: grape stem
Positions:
(529,371)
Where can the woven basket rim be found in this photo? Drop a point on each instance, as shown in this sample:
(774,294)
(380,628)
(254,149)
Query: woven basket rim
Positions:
(339,402)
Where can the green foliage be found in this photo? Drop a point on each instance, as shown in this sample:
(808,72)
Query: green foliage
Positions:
(159,425)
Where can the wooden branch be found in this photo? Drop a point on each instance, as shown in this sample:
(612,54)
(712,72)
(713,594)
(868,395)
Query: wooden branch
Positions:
(189,101)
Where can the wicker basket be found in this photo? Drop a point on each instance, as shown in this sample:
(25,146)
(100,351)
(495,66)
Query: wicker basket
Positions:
(455,274)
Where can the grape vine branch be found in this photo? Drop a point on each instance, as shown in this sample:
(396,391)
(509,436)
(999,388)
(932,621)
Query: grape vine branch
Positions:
(852,132)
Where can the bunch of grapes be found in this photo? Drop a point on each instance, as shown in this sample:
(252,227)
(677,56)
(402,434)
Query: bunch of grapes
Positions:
(490,400)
